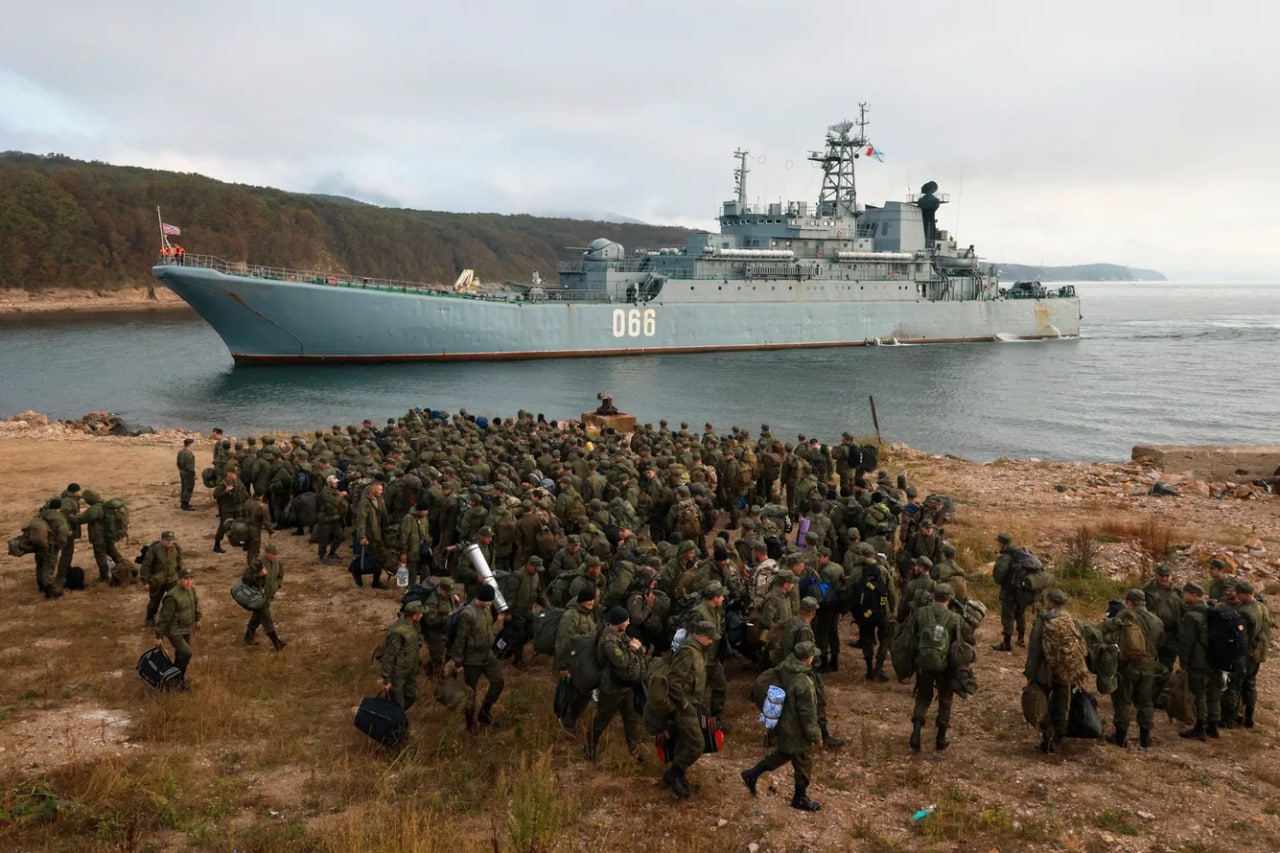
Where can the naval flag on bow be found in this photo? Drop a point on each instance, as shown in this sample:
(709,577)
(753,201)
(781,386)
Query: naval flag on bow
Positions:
(170,230)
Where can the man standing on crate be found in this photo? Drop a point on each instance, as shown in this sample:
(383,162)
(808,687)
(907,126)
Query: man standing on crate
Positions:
(179,615)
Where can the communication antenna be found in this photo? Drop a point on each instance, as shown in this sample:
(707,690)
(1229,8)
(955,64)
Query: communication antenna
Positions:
(740,177)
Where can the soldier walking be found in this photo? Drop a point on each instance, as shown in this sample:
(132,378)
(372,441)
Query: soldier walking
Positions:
(179,614)
(473,650)
(266,574)
(400,657)
(797,728)
(159,571)
(687,684)
(186,473)
(624,663)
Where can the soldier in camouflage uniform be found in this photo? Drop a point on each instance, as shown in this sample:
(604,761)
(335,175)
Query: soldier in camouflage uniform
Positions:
(179,614)
(400,657)
(159,571)
(267,574)
(527,594)
(48,576)
(797,729)
(331,514)
(1136,675)
(687,684)
(102,549)
(1166,602)
(1244,685)
(231,497)
(413,535)
(370,516)
(472,649)
(623,663)
(256,517)
(187,473)
(1193,656)
(927,617)
(70,508)
(435,624)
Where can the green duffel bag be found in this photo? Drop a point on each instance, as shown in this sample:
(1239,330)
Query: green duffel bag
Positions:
(238,534)
(1035,705)
(249,597)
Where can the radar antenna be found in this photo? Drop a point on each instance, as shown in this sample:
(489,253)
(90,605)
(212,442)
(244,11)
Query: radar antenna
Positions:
(740,177)
(839,195)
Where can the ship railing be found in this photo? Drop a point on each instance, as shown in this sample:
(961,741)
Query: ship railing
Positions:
(386,285)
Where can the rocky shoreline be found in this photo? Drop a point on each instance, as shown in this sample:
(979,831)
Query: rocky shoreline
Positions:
(15,302)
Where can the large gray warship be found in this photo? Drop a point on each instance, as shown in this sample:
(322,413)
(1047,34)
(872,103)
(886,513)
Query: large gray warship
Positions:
(834,273)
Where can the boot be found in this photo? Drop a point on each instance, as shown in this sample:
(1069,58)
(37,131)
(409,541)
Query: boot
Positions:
(486,714)
(800,801)
(940,742)
(589,750)
(276,642)
(679,784)
(249,639)
(217,547)
(1228,721)
(1044,743)
(1003,646)
(1120,737)
(472,727)
(833,664)
(1197,732)
(916,726)
(187,508)
(1144,738)
(871,670)
(827,740)
(1022,643)
(880,676)
(1211,730)
(1248,714)
(750,776)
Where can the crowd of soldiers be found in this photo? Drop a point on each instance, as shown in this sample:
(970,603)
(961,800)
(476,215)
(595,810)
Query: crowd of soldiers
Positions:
(633,536)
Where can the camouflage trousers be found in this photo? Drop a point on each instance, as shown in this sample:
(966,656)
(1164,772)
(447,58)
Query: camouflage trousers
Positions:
(1241,686)
(926,684)
(404,691)
(181,651)
(1136,686)
(261,618)
(1206,686)
(47,568)
(611,703)
(801,766)
(687,732)
(155,592)
(328,535)
(1012,613)
(492,672)
(1055,722)
(122,574)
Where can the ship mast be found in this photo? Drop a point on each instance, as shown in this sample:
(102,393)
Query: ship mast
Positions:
(839,195)
(740,178)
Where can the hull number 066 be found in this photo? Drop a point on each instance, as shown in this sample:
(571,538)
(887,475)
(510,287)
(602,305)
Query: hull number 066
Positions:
(634,322)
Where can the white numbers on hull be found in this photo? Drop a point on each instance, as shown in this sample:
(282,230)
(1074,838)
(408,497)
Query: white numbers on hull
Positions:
(635,323)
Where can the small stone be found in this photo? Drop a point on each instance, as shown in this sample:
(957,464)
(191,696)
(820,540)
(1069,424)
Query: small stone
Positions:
(1146,815)
(753,848)
(721,823)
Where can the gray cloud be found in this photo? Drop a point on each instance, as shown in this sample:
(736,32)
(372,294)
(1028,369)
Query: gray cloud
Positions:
(1126,132)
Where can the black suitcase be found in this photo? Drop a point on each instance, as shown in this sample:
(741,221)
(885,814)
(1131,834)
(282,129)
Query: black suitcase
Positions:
(157,670)
(382,720)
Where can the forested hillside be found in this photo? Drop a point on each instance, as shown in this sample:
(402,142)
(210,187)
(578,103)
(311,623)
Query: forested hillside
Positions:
(70,223)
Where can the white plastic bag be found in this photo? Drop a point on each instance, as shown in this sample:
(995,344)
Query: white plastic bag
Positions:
(772,710)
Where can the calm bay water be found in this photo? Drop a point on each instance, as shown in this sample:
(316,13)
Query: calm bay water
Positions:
(1157,363)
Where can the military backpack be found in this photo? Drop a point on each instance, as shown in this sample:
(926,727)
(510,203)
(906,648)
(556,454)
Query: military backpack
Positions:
(37,532)
(546,625)
(1133,640)
(558,592)
(615,594)
(1228,648)
(209,476)
(872,600)
(451,624)
(657,707)
(115,520)
(1065,653)
(933,642)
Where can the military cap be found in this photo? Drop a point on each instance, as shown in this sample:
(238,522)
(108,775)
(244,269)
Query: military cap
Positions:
(792,558)
(683,491)
(686,546)
(1005,538)
(703,627)
(948,549)
(756,509)
(748,524)
(653,561)
(184,573)
(923,561)
(805,650)
(1135,595)
(808,604)
(56,503)
(414,607)
(1057,596)
(865,549)
(332,479)
(1215,563)
(168,534)
(882,476)
(926,522)
(1163,570)
(445,583)
(1193,588)
(575,539)
(1244,586)
(713,589)
(534,560)
(271,548)
(784,576)
(485,593)
(811,536)
(587,593)
(721,553)
(942,591)
(823,551)
(485,531)
(617,615)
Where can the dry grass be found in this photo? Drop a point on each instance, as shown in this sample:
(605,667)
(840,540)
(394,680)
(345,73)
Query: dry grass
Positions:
(1153,537)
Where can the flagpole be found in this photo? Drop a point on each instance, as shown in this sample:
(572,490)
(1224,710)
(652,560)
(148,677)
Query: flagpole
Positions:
(164,239)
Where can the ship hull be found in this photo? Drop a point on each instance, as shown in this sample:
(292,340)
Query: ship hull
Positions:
(266,321)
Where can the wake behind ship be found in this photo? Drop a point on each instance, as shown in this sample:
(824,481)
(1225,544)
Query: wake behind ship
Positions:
(830,274)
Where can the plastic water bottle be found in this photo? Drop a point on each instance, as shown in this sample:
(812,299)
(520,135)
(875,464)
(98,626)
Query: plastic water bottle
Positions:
(939,631)
(402,575)
(924,812)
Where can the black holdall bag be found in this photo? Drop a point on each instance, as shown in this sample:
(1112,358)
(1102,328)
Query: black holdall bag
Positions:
(383,720)
(157,670)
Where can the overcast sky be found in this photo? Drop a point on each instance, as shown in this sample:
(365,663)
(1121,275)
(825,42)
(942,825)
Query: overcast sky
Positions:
(1127,131)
